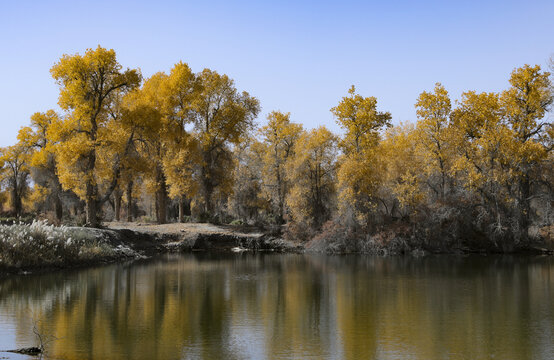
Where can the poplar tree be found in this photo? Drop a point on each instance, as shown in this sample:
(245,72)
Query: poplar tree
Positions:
(89,85)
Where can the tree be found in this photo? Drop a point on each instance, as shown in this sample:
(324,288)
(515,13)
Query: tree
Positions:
(221,116)
(247,201)
(15,174)
(401,184)
(433,111)
(179,92)
(279,137)
(43,161)
(180,168)
(137,124)
(312,175)
(359,117)
(481,162)
(147,105)
(526,104)
(503,146)
(89,85)
(358,173)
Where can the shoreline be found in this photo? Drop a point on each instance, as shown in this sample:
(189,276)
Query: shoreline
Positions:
(135,241)
(129,242)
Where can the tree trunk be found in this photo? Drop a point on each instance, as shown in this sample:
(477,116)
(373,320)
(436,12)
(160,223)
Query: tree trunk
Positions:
(161,201)
(117,204)
(156,206)
(58,207)
(524,208)
(57,188)
(91,206)
(92,216)
(208,185)
(129,193)
(16,201)
(281,198)
(91,201)
(182,209)
(208,200)
(161,196)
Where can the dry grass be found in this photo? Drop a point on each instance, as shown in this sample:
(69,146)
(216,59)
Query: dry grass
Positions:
(41,244)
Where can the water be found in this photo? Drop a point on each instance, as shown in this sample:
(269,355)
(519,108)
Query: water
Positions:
(245,306)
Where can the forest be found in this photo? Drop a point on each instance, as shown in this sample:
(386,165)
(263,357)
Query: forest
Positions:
(475,172)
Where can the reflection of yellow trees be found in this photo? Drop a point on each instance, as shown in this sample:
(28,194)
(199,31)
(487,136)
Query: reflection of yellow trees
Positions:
(388,308)
(292,306)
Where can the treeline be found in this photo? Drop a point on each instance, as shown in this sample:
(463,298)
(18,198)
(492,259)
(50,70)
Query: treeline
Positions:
(184,146)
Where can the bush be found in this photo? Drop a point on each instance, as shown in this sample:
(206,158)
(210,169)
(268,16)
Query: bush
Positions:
(40,244)
(338,238)
(298,232)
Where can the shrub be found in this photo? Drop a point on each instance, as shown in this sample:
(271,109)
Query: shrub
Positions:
(337,238)
(38,244)
(298,232)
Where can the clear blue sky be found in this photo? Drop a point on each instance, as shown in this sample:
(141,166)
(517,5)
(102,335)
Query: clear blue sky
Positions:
(294,56)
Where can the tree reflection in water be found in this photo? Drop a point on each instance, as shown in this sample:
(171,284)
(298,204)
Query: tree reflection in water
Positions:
(289,306)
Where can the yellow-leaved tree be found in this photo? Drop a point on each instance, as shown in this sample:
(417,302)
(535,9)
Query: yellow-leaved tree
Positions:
(134,123)
(433,111)
(15,174)
(248,201)
(358,174)
(312,175)
(402,182)
(502,143)
(222,116)
(144,112)
(89,86)
(525,105)
(279,137)
(42,157)
(180,162)
(478,135)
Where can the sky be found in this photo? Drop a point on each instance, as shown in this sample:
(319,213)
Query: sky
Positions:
(295,56)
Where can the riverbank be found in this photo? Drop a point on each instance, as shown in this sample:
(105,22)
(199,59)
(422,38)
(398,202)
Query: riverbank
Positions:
(400,239)
(182,237)
(42,247)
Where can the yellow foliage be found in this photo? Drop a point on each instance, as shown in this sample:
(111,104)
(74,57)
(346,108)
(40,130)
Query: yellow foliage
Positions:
(14,173)
(222,116)
(434,137)
(179,164)
(279,137)
(312,175)
(359,117)
(527,101)
(91,88)
(190,135)
(498,136)
(182,153)
(38,195)
(358,175)
(402,164)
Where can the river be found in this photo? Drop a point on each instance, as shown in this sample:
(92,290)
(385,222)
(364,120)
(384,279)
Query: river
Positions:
(287,306)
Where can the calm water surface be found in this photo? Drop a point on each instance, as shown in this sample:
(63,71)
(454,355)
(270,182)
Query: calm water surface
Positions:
(268,306)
